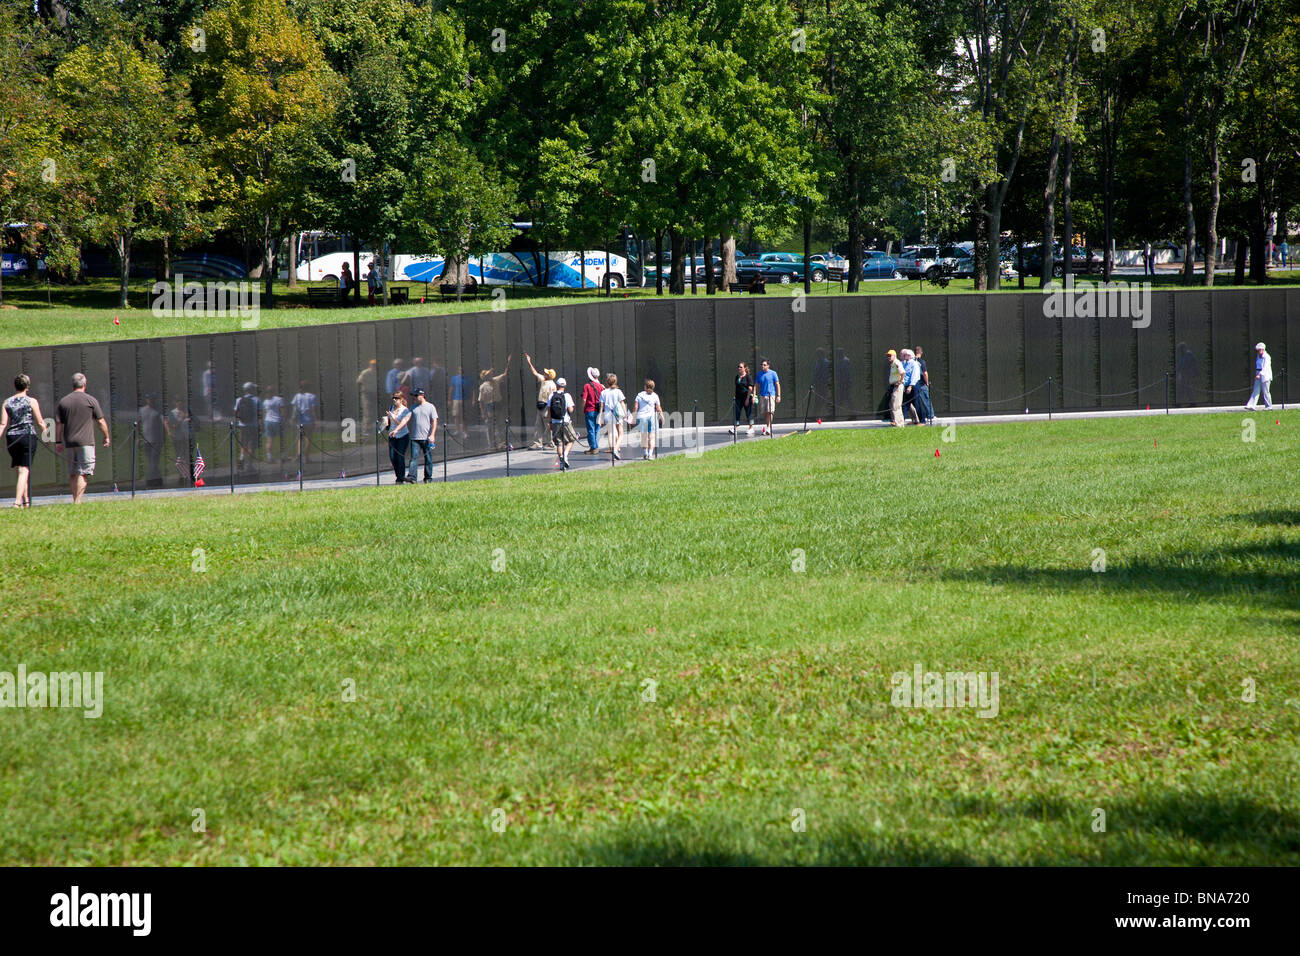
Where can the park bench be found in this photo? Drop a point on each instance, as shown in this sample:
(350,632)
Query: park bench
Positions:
(326,297)
(399,295)
(470,288)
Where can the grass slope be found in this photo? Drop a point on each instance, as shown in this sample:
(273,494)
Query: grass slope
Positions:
(522,689)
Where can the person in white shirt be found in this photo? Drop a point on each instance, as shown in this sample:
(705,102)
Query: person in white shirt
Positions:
(1263,376)
(649,416)
(561,415)
(613,412)
(911,379)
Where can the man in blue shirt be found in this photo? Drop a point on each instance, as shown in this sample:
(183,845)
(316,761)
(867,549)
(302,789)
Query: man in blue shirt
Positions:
(769,393)
(393,380)
(911,378)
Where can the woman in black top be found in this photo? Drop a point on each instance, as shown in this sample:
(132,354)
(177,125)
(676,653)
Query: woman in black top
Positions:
(20,423)
(744,402)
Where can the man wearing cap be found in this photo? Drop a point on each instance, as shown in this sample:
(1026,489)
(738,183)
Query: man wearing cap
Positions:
(895,388)
(423,428)
(591,408)
(545,388)
(560,410)
(1263,376)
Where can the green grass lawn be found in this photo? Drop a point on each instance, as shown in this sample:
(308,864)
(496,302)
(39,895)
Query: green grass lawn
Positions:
(521,689)
(62,315)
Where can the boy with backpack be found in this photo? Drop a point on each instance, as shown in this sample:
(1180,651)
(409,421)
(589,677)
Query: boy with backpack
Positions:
(562,433)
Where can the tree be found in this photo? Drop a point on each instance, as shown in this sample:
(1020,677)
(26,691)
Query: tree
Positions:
(121,135)
(262,91)
(456,206)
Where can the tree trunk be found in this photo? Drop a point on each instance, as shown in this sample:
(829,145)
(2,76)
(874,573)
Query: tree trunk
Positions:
(993,265)
(1067,209)
(728,260)
(268,270)
(659,262)
(1108,184)
(982,247)
(1212,214)
(167,257)
(609,282)
(356,272)
(1239,263)
(1189,221)
(691,259)
(1049,210)
(855,229)
(677,278)
(1020,262)
(124,259)
(292,281)
(710,287)
(807,256)
(582,269)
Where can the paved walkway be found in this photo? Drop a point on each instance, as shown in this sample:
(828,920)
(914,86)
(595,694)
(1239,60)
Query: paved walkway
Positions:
(681,441)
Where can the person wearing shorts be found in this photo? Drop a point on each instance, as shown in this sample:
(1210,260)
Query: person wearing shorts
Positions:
(305,406)
(273,421)
(21,423)
(562,433)
(649,416)
(613,412)
(769,394)
(77,415)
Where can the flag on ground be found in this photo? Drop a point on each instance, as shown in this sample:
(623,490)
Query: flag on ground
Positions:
(198,465)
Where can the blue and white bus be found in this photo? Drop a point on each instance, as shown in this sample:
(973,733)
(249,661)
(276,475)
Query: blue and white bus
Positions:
(321,258)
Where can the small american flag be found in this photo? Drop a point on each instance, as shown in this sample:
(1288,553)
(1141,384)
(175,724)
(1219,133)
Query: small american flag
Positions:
(198,464)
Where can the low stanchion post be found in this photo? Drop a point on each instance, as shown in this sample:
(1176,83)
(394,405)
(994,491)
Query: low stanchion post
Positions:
(377,434)
(1166,393)
(300,456)
(444,456)
(507,447)
(1049,398)
(232,458)
(806,405)
(135,429)
(695,417)
(1283,389)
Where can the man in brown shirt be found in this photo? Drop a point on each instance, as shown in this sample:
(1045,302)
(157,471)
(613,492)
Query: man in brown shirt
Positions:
(77,414)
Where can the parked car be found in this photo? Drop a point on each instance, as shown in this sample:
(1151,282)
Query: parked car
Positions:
(782,267)
(922,261)
(1080,263)
(880,265)
(961,261)
(836,265)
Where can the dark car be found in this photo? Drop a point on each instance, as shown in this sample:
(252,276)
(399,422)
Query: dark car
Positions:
(1080,263)
(782,267)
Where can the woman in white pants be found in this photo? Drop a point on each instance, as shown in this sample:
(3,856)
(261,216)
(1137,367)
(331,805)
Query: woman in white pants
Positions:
(1263,376)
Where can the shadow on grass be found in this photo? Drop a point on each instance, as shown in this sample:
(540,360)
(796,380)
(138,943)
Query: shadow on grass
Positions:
(1265,576)
(1284,516)
(1169,828)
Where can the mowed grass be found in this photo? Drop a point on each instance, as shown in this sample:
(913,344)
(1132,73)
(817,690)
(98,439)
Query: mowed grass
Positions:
(523,690)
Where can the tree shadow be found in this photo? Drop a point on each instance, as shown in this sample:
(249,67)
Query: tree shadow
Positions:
(1165,828)
(1285,516)
(1267,574)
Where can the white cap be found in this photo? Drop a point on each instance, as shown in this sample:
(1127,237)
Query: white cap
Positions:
(560,383)
(1258,346)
